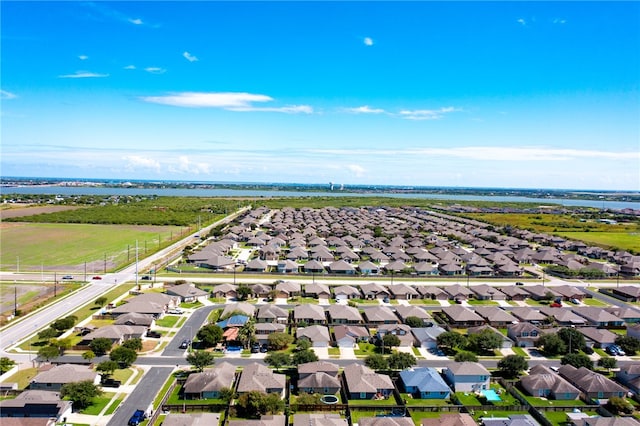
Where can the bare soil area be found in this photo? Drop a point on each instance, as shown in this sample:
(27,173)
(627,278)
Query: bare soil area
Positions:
(30,210)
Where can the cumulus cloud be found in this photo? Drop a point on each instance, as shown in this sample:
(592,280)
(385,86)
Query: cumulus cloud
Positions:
(521,21)
(155,70)
(185,165)
(129,67)
(83,57)
(368,41)
(7,95)
(189,57)
(356,170)
(426,114)
(365,109)
(136,21)
(84,74)
(232,101)
(136,162)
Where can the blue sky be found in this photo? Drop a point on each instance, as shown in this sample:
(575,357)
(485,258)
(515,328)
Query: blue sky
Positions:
(471,94)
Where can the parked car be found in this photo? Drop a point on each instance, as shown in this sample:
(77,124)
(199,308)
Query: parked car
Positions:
(138,417)
(146,278)
(264,348)
(588,350)
(574,301)
(67,277)
(175,311)
(184,344)
(97,277)
(255,348)
(519,283)
(154,334)
(110,383)
(556,305)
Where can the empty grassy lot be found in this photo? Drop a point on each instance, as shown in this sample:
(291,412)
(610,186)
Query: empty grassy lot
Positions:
(66,247)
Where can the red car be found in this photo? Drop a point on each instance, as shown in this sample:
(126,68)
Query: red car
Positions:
(97,277)
(556,305)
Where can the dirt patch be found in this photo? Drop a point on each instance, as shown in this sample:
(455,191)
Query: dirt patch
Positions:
(22,211)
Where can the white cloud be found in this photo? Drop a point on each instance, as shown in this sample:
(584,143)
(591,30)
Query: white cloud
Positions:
(521,21)
(426,114)
(84,74)
(356,170)
(136,21)
(232,101)
(368,41)
(365,109)
(7,95)
(185,165)
(136,162)
(559,21)
(155,70)
(189,57)
(83,57)
(130,67)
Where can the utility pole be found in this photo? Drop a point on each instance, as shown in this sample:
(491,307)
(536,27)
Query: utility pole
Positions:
(15,300)
(137,285)
(105,263)
(85,271)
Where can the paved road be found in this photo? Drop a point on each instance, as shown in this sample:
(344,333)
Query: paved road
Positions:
(142,396)
(188,331)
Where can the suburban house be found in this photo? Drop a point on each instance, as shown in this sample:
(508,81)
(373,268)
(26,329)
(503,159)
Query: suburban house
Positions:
(406,311)
(432,292)
(188,293)
(459,316)
(272,313)
(118,334)
(506,342)
(629,375)
(628,315)
(593,385)
(379,315)
(629,293)
(403,292)
(458,292)
(599,317)
(287,289)
(514,293)
(487,292)
(424,383)
(457,419)
(133,318)
(318,419)
(207,385)
(385,421)
(540,292)
(318,335)
(495,316)
(264,329)
(364,383)
(260,290)
(238,308)
(56,376)
(542,382)
(318,291)
(345,292)
(512,420)
(225,290)
(318,377)
(528,314)
(524,334)
(569,292)
(342,314)
(35,403)
(634,331)
(374,291)
(347,336)
(597,337)
(309,314)
(563,317)
(426,337)
(259,377)
(467,376)
(402,331)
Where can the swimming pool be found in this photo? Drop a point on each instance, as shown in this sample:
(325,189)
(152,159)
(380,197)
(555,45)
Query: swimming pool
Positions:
(491,395)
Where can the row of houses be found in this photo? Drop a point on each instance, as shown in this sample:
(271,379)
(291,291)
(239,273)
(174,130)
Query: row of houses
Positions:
(410,240)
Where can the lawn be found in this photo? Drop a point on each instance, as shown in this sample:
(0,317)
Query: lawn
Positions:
(474,302)
(417,416)
(174,399)
(77,244)
(365,349)
(122,374)
(593,302)
(22,377)
(114,405)
(519,351)
(334,352)
(168,321)
(424,302)
(98,405)
(619,240)
(373,402)
(356,415)
(410,400)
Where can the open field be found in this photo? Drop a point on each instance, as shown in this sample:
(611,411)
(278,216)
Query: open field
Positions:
(10,211)
(30,296)
(625,241)
(66,247)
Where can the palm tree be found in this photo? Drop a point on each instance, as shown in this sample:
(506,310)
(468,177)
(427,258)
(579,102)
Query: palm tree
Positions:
(247,332)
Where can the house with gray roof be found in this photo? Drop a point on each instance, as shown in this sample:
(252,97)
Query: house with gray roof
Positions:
(317,290)
(318,335)
(364,383)
(460,316)
(427,337)
(599,317)
(135,318)
(343,314)
(309,314)
(347,336)
(424,383)
(629,375)
(188,293)
(563,317)
(207,385)
(432,292)
(318,419)
(374,291)
(345,292)
(406,311)
(238,308)
(385,421)
(225,290)
(272,313)
(524,334)
(458,292)
(540,292)
(487,292)
(569,292)
(35,404)
(259,377)
(495,316)
(379,315)
(528,314)
(541,382)
(264,329)
(627,314)
(402,331)
(514,293)
(597,337)
(118,334)
(287,289)
(595,386)
(467,376)
(309,368)
(57,376)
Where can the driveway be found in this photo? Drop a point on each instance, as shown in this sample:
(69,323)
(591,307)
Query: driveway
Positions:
(347,353)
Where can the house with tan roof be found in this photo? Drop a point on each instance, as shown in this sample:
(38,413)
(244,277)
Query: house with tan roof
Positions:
(467,376)
(528,314)
(593,385)
(57,376)
(402,291)
(541,382)
(343,314)
(524,334)
(374,291)
(460,316)
(259,377)
(598,317)
(118,334)
(309,314)
(188,293)
(457,419)
(402,331)
(347,336)
(345,292)
(318,419)
(379,315)
(238,308)
(287,289)
(364,383)
(207,385)
(318,377)
(272,313)
(406,311)
(318,335)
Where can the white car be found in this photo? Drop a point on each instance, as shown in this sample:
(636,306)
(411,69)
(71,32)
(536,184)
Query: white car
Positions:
(175,311)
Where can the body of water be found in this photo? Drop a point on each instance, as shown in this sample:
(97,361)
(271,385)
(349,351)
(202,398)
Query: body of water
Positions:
(183,192)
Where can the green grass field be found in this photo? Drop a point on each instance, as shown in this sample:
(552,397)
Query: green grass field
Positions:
(621,240)
(45,246)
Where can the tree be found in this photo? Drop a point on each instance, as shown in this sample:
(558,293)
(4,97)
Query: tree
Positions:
(484,342)
(252,404)
(88,355)
(572,338)
(390,340)
(123,356)
(629,344)
(6,364)
(608,362)
(101,345)
(62,344)
(210,335)
(449,341)
(618,405)
(304,356)
(48,334)
(577,360)
(414,322)
(401,361)
(134,343)
(65,323)
(303,344)
(49,352)
(464,356)
(200,359)
(101,301)
(81,393)
(243,292)
(305,398)
(107,367)
(279,340)
(226,394)
(512,365)
(277,359)
(273,403)
(376,362)
(551,344)
(247,332)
